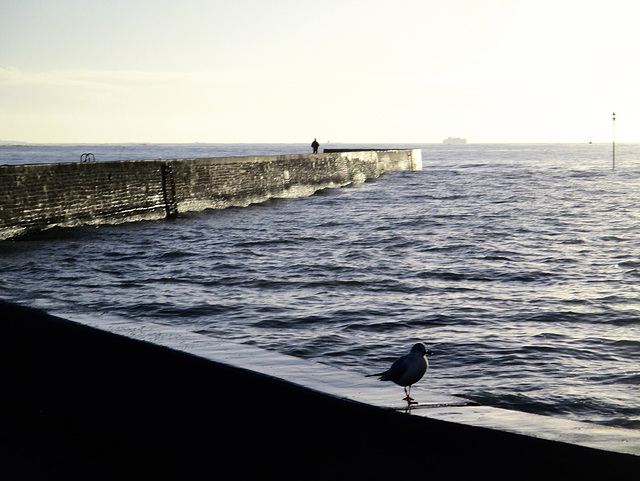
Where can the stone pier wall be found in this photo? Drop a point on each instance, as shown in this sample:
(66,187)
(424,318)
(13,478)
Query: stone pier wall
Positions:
(35,197)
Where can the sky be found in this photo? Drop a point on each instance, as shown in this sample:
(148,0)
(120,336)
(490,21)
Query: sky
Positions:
(353,71)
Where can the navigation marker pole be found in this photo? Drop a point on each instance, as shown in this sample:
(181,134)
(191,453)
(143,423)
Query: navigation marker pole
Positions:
(614,142)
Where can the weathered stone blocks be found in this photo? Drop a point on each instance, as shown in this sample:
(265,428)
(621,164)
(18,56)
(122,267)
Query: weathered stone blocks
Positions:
(35,197)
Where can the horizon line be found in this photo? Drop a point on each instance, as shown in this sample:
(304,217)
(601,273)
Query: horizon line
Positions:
(21,142)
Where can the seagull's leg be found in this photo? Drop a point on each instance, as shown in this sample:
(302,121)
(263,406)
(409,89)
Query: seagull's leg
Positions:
(408,398)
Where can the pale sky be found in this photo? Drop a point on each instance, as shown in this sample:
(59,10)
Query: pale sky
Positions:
(414,71)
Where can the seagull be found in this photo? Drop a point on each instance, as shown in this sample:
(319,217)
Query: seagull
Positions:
(408,369)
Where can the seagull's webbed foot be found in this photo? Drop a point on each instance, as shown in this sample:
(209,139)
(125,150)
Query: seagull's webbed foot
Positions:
(408,393)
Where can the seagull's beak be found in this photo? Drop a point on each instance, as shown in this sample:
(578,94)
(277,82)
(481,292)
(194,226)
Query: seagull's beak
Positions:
(429,353)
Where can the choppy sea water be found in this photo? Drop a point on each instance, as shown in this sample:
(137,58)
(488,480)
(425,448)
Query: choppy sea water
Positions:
(518,265)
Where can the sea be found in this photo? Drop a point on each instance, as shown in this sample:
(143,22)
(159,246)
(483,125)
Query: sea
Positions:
(518,265)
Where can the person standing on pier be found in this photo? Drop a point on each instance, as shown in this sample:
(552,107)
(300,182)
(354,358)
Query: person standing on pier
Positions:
(315,145)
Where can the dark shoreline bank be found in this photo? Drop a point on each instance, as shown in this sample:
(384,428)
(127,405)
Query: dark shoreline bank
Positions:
(81,403)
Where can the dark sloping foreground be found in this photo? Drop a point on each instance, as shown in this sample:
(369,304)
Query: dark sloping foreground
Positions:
(80,403)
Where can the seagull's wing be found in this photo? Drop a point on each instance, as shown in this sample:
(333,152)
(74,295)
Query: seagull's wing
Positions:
(397,370)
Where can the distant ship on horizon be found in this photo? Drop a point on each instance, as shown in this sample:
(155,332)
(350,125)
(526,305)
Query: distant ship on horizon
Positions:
(454,140)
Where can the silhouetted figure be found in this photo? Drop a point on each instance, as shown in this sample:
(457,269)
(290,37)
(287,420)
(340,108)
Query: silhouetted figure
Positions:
(315,145)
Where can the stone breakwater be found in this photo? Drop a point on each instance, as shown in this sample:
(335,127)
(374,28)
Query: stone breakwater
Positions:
(36,197)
